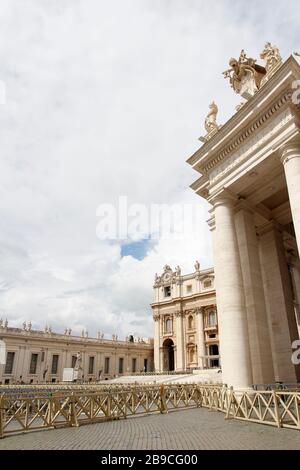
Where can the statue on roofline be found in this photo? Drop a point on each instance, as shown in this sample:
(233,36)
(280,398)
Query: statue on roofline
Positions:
(272,57)
(211,118)
(210,123)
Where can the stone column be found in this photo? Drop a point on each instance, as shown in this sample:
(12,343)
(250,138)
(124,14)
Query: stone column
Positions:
(179,342)
(232,314)
(279,302)
(156,342)
(257,319)
(200,337)
(290,157)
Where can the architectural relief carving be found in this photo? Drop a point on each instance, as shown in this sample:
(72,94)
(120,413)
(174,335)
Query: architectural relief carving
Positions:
(245,75)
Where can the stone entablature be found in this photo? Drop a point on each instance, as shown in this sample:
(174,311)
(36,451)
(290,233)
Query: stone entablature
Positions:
(110,357)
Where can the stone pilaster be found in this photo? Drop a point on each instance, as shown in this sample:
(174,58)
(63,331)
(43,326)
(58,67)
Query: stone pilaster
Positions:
(180,362)
(200,337)
(156,342)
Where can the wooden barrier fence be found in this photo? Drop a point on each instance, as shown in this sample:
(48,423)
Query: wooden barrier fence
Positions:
(26,412)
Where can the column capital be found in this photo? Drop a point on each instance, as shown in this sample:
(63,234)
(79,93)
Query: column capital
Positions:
(178,314)
(200,311)
(289,150)
(225,197)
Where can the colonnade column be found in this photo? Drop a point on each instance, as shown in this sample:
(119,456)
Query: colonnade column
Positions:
(257,319)
(200,337)
(180,365)
(290,157)
(232,314)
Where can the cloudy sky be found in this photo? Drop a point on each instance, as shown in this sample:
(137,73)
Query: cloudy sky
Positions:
(107,99)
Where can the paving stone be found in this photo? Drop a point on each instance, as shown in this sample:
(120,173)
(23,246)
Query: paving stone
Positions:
(183,430)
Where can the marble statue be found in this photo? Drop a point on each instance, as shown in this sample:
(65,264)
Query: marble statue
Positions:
(211,118)
(197,266)
(178,271)
(167,268)
(272,57)
(210,123)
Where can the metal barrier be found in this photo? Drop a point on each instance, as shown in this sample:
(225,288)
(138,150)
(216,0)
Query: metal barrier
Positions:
(27,412)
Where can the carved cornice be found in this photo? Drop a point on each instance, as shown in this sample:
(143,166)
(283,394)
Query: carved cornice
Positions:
(286,98)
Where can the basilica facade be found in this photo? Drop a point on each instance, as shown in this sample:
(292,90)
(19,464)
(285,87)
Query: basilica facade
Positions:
(186,322)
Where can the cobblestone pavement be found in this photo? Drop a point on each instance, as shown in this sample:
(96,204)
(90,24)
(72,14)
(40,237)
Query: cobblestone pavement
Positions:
(188,429)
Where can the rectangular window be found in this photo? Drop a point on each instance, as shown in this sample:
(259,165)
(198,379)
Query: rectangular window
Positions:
(33,363)
(73,362)
(145,365)
(91,364)
(134,364)
(121,365)
(9,363)
(167,291)
(54,367)
(188,289)
(106,365)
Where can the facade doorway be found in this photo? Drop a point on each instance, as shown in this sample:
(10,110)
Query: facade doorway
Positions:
(214,351)
(168,355)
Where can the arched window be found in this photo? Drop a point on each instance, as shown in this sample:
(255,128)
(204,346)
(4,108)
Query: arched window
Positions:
(212,318)
(207,283)
(168,325)
(191,322)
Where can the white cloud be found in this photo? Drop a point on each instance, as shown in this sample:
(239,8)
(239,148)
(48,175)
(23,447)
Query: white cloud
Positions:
(107,99)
